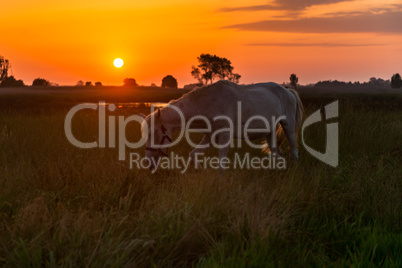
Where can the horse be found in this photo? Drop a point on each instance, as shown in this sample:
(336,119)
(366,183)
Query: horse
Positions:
(221,99)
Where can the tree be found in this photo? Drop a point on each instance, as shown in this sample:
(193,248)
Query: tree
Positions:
(153,85)
(98,84)
(293,80)
(169,81)
(211,67)
(88,84)
(11,82)
(235,78)
(80,83)
(5,80)
(396,81)
(40,82)
(130,82)
(4,67)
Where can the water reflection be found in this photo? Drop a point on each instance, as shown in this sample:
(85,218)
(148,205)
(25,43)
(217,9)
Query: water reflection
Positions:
(138,104)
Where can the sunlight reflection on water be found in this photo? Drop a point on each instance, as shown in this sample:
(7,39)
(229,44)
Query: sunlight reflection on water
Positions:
(137,104)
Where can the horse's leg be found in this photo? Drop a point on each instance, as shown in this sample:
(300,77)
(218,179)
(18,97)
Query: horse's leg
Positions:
(223,153)
(223,141)
(272,144)
(201,147)
(288,126)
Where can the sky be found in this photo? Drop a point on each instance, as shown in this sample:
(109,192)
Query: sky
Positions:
(67,41)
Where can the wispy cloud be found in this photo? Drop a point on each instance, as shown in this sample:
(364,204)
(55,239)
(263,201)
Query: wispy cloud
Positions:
(296,44)
(377,10)
(386,22)
(289,5)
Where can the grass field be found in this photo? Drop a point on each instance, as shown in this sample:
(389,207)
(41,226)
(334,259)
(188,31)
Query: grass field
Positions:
(64,206)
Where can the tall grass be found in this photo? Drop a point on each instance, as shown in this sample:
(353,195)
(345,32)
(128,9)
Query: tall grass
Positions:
(64,206)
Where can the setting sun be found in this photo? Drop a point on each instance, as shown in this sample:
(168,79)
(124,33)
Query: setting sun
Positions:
(118,62)
(265,40)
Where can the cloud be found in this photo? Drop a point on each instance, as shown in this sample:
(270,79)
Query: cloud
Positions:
(386,22)
(290,5)
(389,9)
(312,45)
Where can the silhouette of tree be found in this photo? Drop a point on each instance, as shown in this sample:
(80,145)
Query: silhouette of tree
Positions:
(40,82)
(88,84)
(153,85)
(4,67)
(211,67)
(235,78)
(169,81)
(11,82)
(80,83)
(98,84)
(378,82)
(396,81)
(372,83)
(293,80)
(130,82)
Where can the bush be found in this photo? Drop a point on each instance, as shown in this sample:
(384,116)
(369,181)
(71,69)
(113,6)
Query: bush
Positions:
(40,82)
(192,86)
(11,82)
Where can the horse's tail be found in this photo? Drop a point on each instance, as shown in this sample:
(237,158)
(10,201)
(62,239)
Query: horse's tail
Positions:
(299,113)
(280,134)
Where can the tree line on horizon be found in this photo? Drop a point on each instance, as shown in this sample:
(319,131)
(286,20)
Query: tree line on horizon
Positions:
(209,69)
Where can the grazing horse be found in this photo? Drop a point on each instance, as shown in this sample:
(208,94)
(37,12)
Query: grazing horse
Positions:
(221,99)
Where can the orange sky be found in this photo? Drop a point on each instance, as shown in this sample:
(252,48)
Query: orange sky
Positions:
(66,41)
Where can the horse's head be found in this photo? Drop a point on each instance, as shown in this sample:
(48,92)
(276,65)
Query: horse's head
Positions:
(158,137)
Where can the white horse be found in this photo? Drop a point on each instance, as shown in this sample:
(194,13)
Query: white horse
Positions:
(267,100)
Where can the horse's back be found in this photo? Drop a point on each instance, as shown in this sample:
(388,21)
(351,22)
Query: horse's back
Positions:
(269,89)
(263,98)
(268,94)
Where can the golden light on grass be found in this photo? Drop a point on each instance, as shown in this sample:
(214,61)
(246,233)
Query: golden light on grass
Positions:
(118,63)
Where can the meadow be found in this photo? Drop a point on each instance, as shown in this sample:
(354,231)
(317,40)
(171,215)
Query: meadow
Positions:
(61,206)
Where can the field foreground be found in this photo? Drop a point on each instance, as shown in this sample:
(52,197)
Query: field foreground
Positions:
(64,206)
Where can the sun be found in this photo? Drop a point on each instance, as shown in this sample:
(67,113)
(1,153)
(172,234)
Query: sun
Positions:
(118,63)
